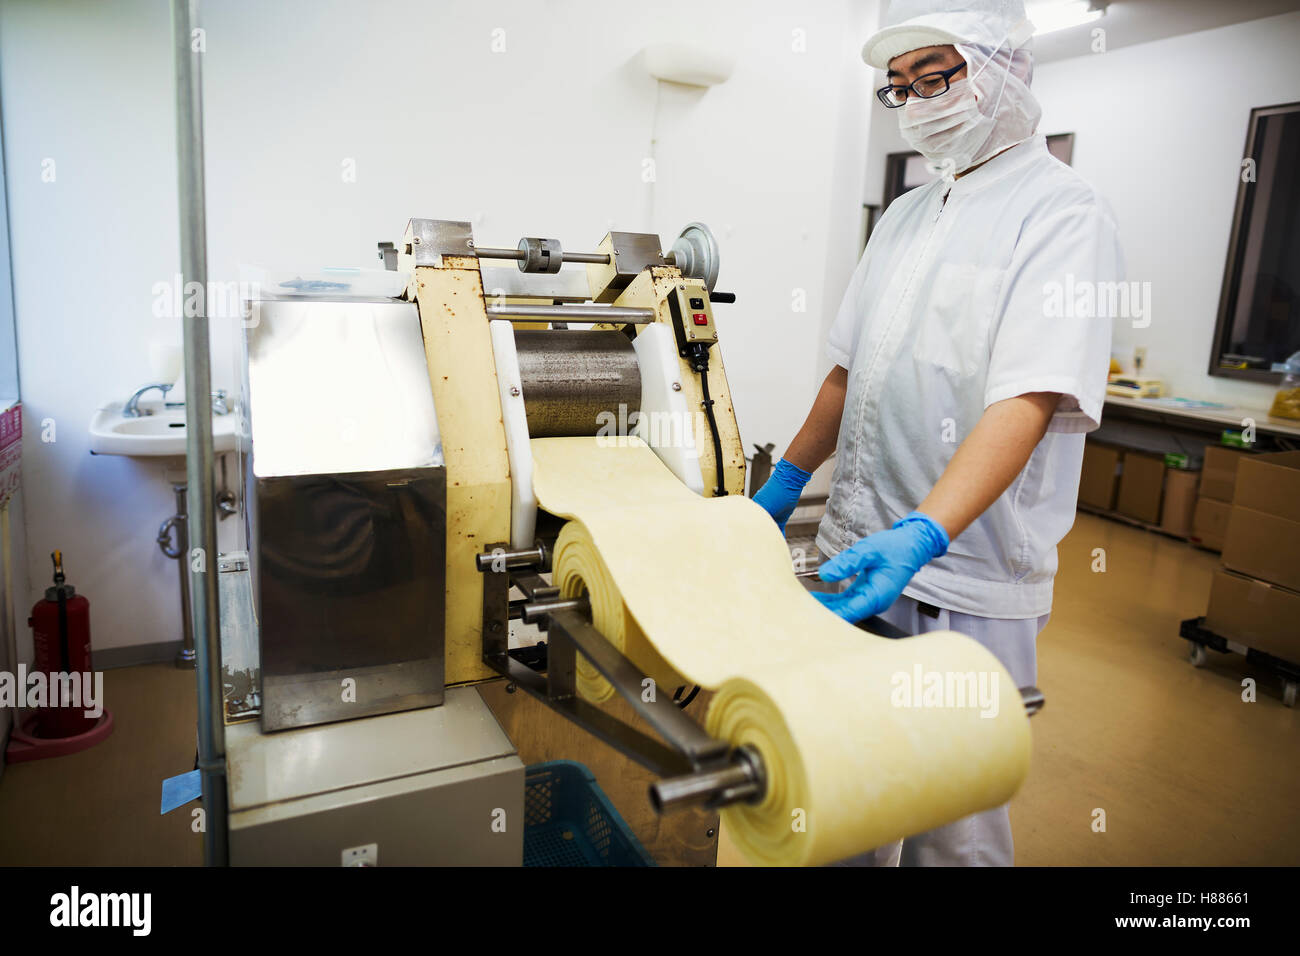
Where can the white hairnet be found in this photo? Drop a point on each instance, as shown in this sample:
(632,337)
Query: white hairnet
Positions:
(993,37)
(912,24)
(1002,91)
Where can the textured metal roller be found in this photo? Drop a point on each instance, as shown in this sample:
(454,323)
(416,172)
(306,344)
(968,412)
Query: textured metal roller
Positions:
(574,380)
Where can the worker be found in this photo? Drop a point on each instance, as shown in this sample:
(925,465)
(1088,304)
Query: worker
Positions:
(960,394)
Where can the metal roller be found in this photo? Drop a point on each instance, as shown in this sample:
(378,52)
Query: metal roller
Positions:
(574,380)
(572,313)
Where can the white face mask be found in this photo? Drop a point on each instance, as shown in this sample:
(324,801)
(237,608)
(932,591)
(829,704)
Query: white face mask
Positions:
(954,133)
(947,130)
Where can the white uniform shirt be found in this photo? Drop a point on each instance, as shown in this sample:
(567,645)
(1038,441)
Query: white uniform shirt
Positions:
(955,305)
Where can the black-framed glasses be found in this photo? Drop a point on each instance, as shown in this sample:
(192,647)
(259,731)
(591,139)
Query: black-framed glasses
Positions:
(926,87)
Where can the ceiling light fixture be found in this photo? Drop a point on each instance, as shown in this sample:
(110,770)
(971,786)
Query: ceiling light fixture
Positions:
(1048,16)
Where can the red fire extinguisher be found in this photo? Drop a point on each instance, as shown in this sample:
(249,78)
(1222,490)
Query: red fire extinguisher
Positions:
(61,633)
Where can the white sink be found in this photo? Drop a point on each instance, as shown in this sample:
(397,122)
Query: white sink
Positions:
(160,435)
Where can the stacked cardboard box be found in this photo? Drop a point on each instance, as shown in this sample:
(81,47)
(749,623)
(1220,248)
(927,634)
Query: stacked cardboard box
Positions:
(1214,503)
(1100,476)
(1138,485)
(1255,597)
(1141,486)
(1178,510)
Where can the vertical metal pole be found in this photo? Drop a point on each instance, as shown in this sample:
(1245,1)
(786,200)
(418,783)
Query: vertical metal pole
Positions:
(202,556)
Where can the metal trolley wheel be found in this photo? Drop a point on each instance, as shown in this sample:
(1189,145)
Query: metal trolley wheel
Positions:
(1197,636)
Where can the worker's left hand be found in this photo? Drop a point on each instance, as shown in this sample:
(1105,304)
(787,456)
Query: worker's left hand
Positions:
(884,562)
(780,493)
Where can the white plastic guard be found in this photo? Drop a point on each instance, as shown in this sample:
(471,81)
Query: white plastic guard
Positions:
(665,422)
(523,504)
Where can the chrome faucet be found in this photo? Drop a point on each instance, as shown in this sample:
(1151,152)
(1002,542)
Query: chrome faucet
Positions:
(132,407)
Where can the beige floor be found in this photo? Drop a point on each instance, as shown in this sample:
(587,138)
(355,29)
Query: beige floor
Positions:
(1185,771)
(101,806)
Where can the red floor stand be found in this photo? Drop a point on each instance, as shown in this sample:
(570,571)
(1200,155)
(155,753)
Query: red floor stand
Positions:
(24,745)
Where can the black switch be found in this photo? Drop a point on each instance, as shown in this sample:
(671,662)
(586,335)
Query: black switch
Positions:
(697,303)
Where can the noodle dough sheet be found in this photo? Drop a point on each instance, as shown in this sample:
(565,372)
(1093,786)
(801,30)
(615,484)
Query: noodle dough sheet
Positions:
(864,739)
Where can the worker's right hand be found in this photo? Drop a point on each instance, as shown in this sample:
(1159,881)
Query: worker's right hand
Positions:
(780,493)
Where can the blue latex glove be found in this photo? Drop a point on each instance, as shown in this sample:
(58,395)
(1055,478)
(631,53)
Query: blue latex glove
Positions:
(884,562)
(780,493)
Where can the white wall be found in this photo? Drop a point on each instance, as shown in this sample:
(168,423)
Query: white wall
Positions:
(87,86)
(1160,130)
(546,138)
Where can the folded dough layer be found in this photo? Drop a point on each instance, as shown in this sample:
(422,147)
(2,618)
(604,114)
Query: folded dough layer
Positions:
(863,739)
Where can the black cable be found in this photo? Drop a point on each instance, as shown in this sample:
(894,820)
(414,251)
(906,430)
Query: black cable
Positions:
(701,365)
(683,704)
(721,490)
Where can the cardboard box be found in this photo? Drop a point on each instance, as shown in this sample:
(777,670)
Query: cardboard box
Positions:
(1141,487)
(1263,546)
(1219,472)
(1180,501)
(1271,484)
(1259,615)
(11,451)
(1100,476)
(1210,521)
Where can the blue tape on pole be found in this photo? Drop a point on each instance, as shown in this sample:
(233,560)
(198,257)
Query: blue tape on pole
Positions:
(180,790)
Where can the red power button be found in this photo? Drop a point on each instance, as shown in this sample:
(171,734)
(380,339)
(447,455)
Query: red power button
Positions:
(700,318)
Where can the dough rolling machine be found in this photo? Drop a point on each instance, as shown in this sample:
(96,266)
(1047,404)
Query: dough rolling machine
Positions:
(406,539)
(644,367)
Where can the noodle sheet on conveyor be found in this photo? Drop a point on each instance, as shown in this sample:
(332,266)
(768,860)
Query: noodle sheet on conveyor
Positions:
(859,746)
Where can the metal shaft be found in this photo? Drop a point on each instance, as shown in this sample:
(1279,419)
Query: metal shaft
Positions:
(535,611)
(201,561)
(740,781)
(594,257)
(519,255)
(1033,699)
(509,560)
(572,313)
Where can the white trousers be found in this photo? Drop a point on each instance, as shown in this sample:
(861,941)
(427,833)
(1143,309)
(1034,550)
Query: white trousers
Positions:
(983,839)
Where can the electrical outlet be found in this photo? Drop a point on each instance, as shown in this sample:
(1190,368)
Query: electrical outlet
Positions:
(367,855)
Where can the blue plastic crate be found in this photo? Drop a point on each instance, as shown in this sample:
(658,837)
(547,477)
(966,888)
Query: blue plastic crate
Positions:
(568,820)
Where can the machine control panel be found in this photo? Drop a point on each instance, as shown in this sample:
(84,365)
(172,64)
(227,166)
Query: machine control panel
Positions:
(692,314)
